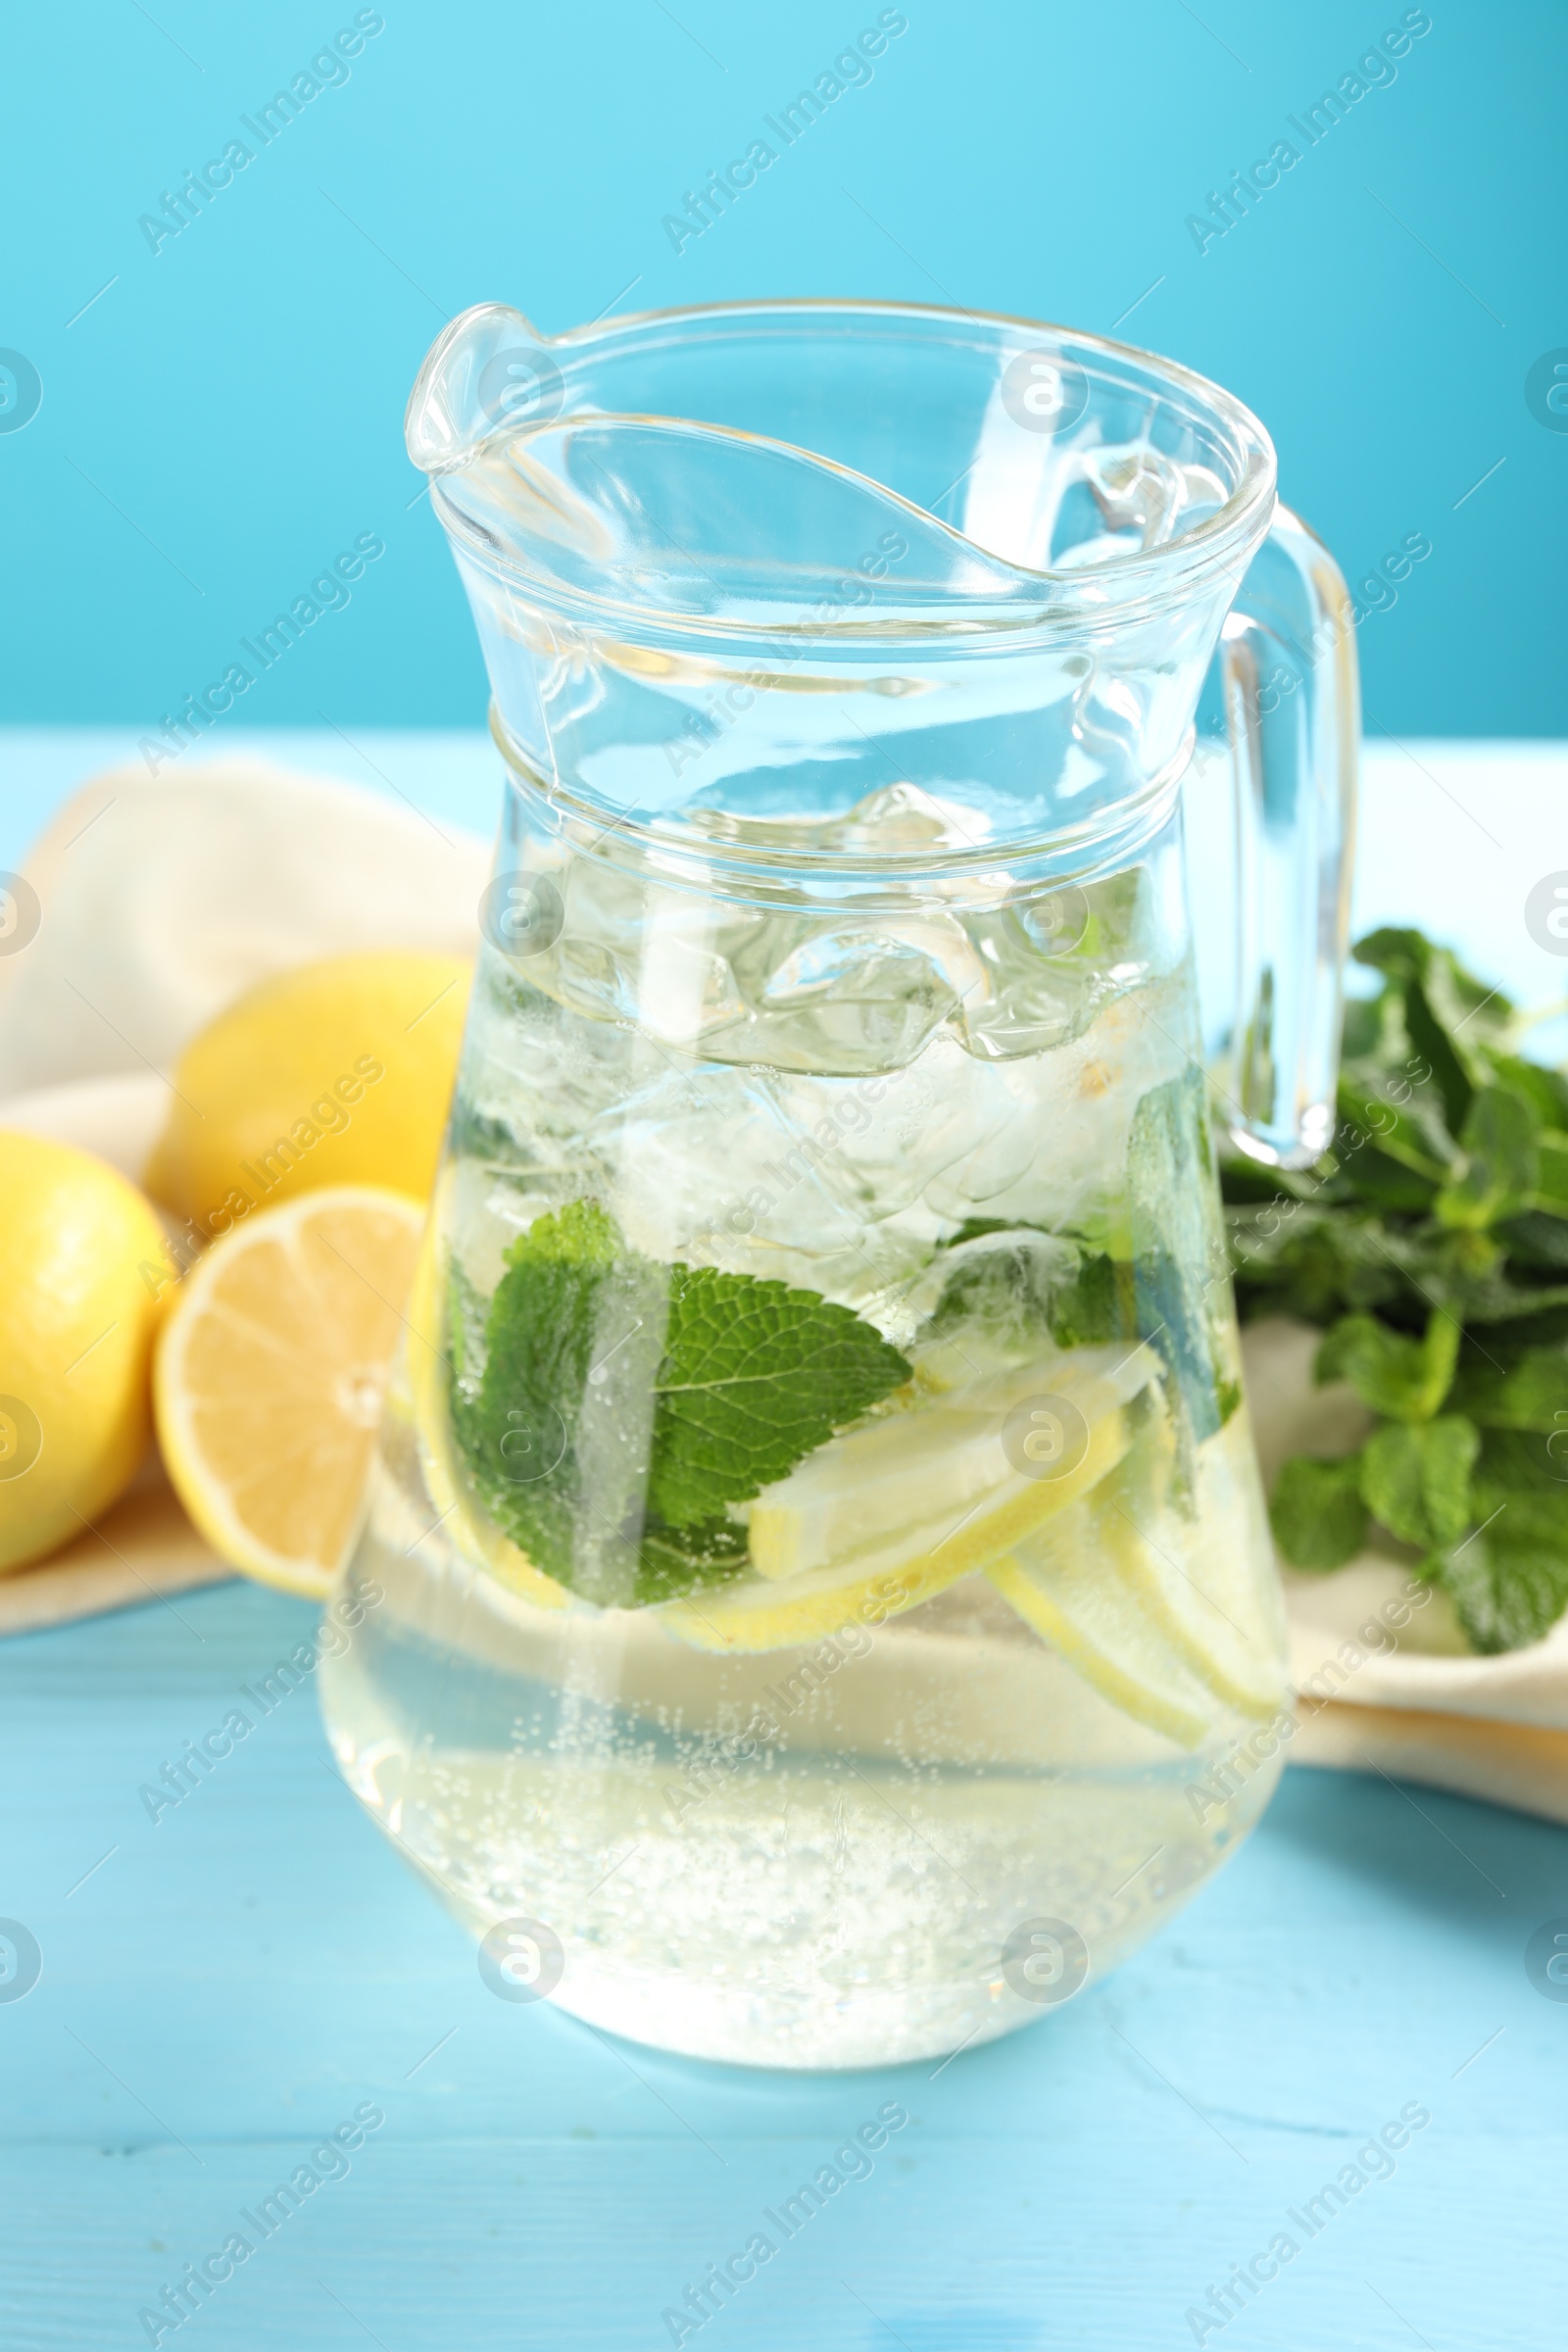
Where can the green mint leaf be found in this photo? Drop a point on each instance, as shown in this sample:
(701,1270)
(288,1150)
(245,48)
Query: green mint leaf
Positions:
(1393,1144)
(1027,1281)
(1316,1511)
(1394,1114)
(1318,1261)
(1537,1241)
(755,1377)
(1492,1296)
(1415,1478)
(1510,1578)
(675,1561)
(1402,1378)
(1531,1393)
(980,1229)
(1311,1263)
(1387,1186)
(1510,1581)
(1100,1303)
(551,1433)
(1550,1193)
(1501,1164)
(1526,1472)
(1179,1256)
(1018,1282)
(1546,1091)
(1451,1016)
(1245,1183)
(1363,1031)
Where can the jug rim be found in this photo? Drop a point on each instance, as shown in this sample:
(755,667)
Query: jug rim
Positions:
(1111,589)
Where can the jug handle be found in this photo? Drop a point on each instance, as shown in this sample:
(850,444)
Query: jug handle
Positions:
(1289,679)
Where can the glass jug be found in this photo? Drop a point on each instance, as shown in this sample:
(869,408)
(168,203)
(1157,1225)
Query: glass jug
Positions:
(818,1604)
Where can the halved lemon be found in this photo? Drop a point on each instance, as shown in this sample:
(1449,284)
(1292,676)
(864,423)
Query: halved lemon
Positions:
(271,1373)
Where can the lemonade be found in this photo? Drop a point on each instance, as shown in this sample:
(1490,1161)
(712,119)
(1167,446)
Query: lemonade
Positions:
(817,1606)
(819,1552)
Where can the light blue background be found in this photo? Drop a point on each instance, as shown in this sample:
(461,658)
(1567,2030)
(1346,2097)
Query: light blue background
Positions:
(226,415)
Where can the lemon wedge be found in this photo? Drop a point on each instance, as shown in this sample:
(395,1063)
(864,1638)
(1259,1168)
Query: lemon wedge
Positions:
(270,1375)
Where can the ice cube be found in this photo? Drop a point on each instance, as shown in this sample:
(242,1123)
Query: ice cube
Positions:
(1076,1104)
(926,1133)
(797,991)
(854,995)
(1051,961)
(533,1075)
(631,949)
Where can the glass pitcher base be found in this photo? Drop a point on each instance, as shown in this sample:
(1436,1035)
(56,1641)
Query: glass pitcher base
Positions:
(802,2024)
(812,1909)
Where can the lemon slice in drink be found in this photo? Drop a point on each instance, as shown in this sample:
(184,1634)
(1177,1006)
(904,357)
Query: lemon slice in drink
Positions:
(1174,1635)
(907,1477)
(882,1579)
(1079,1604)
(1208,1597)
(270,1375)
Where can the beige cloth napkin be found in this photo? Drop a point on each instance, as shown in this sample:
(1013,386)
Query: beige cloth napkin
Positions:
(164,900)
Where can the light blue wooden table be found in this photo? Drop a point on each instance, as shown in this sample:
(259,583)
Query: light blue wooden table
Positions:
(221,1991)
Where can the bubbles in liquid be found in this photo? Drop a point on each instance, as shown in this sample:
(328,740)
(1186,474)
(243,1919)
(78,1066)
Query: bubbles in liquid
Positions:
(845,1891)
(818,1855)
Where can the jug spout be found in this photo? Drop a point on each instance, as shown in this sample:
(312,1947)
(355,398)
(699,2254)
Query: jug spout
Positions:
(754,565)
(489,373)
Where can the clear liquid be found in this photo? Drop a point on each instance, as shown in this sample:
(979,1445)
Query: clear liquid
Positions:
(842,1897)
(832,1849)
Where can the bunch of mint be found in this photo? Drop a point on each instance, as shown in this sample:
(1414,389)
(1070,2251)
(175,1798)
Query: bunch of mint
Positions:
(1432,1242)
(609,1410)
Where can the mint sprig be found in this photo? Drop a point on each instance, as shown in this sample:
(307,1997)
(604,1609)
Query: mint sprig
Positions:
(1432,1240)
(609,1410)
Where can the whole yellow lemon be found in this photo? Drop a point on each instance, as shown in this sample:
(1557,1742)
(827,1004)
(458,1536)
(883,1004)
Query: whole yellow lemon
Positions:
(81,1266)
(337,1073)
